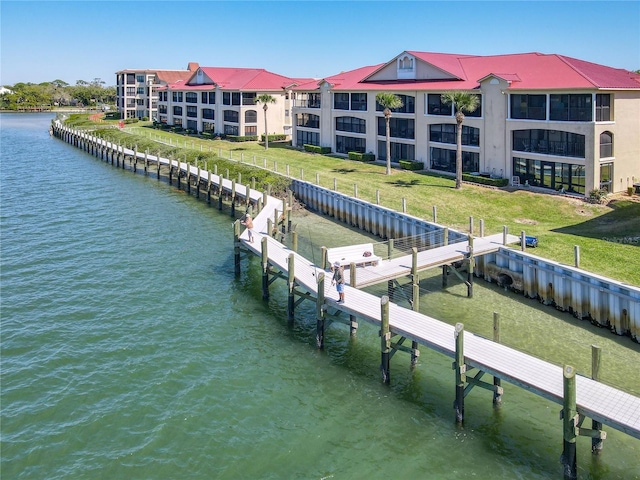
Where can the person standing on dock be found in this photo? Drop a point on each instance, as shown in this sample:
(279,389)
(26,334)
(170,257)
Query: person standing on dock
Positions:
(247,222)
(338,280)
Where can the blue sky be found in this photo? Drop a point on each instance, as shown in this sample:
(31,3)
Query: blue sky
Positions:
(82,40)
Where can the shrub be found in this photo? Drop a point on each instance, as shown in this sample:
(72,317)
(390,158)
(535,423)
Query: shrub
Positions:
(630,191)
(240,138)
(316,149)
(145,119)
(494,182)
(274,137)
(597,195)
(411,165)
(130,120)
(362,157)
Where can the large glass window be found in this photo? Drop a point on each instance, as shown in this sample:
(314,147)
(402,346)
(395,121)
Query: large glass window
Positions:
(231,116)
(408,105)
(251,116)
(177,97)
(191,97)
(208,113)
(226,98)
(309,138)
(140,90)
(435,105)
(351,124)
(208,127)
(446,133)
(566,107)
(532,107)
(307,100)
(140,78)
(204,97)
(444,159)
(177,110)
(341,101)
(231,129)
(307,120)
(549,142)
(192,124)
(606,145)
(249,98)
(399,151)
(552,175)
(192,111)
(606,176)
(359,101)
(350,144)
(162,109)
(251,130)
(603,107)
(398,127)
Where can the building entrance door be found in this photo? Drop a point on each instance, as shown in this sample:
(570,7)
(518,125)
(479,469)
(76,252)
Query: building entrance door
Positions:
(548,175)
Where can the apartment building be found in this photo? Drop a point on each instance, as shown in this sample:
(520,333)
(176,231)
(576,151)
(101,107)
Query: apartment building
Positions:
(549,121)
(223,100)
(137,90)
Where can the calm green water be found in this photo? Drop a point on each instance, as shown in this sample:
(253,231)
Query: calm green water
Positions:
(130,350)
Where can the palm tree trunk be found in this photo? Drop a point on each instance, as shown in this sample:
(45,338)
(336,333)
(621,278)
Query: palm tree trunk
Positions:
(459,155)
(266,130)
(388,133)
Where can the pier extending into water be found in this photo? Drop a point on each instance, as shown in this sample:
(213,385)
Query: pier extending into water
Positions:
(473,356)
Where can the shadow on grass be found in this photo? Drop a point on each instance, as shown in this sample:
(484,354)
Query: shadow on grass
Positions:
(344,170)
(405,183)
(620,225)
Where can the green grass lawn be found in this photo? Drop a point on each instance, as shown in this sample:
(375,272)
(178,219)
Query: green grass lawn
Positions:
(559,222)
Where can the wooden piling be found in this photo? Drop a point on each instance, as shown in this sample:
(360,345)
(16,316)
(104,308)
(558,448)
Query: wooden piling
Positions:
(236,247)
(292,283)
(385,339)
(497,383)
(353,324)
(569,415)
(471,262)
(320,312)
(294,241)
(265,269)
(460,373)
(523,241)
(596,441)
(415,301)
(576,255)
(323,257)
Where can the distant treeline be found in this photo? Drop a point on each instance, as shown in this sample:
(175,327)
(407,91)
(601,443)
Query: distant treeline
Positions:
(58,93)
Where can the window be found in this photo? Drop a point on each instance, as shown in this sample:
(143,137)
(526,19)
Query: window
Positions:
(251,130)
(350,144)
(177,97)
(162,109)
(408,105)
(192,125)
(204,97)
(212,98)
(359,101)
(131,91)
(191,97)
(565,107)
(208,127)
(192,111)
(140,90)
(603,107)
(162,96)
(140,78)
(399,151)
(131,78)
(350,124)
(606,145)
(398,127)
(140,101)
(177,122)
(231,130)
(249,98)
(553,175)
(309,138)
(435,105)
(231,116)
(549,142)
(606,176)
(341,101)
(531,107)
(446,133)
(251,116)
(226,98)
(177,111)
(445,160)
(235,98)
(307,120)
(208,113)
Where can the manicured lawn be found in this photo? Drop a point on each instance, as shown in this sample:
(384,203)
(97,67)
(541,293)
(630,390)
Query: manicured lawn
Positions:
(559,222)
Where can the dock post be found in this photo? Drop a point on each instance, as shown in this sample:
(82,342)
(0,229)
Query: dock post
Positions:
(470,268)
(385,339)
(236,247)
(220,191)
(188,175)
(415,301)
(323,257)
(505,232)
(270,227)
(135,159)
(158,166)
(233,198)
(445,273)
(389,248)
(596,443)
(289,210)
(377,197)
(178,173)
(569,414)
(146,161)
(265,270)
(435,214)
(170,170)
(292,284)
(576,255)
(497,383)
(209,187)
(523,241)
(445,236)
(471,225)
(353,324)
(460,369)
(320,312)
(294,241)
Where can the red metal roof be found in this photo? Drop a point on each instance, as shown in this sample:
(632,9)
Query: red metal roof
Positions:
(525,71)
(250,79)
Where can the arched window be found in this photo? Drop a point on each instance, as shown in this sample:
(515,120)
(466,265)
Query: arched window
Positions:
(606,145)
(251,116)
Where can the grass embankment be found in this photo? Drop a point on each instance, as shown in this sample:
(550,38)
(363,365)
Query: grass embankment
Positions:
(559,222)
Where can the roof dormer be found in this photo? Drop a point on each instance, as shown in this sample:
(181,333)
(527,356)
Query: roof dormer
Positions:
(406,67)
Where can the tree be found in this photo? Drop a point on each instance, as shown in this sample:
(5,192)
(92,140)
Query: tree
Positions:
(265,99)
(463,102)
(389,102)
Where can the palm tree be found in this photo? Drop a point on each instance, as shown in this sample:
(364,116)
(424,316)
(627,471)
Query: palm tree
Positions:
(462,102)
(388,101)
(265,99)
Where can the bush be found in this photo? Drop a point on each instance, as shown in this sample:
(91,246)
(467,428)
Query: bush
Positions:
(274,137)
(145,119)
(494,182)
(362,157)
(316,149)
(630,191)
(597,195)
(240,138)
(130,120)
(411,165)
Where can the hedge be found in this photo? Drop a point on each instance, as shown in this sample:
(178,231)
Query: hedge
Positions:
(274,138)
(495,182)
(240,138)
(362,157)
(316,149)
(411,165)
